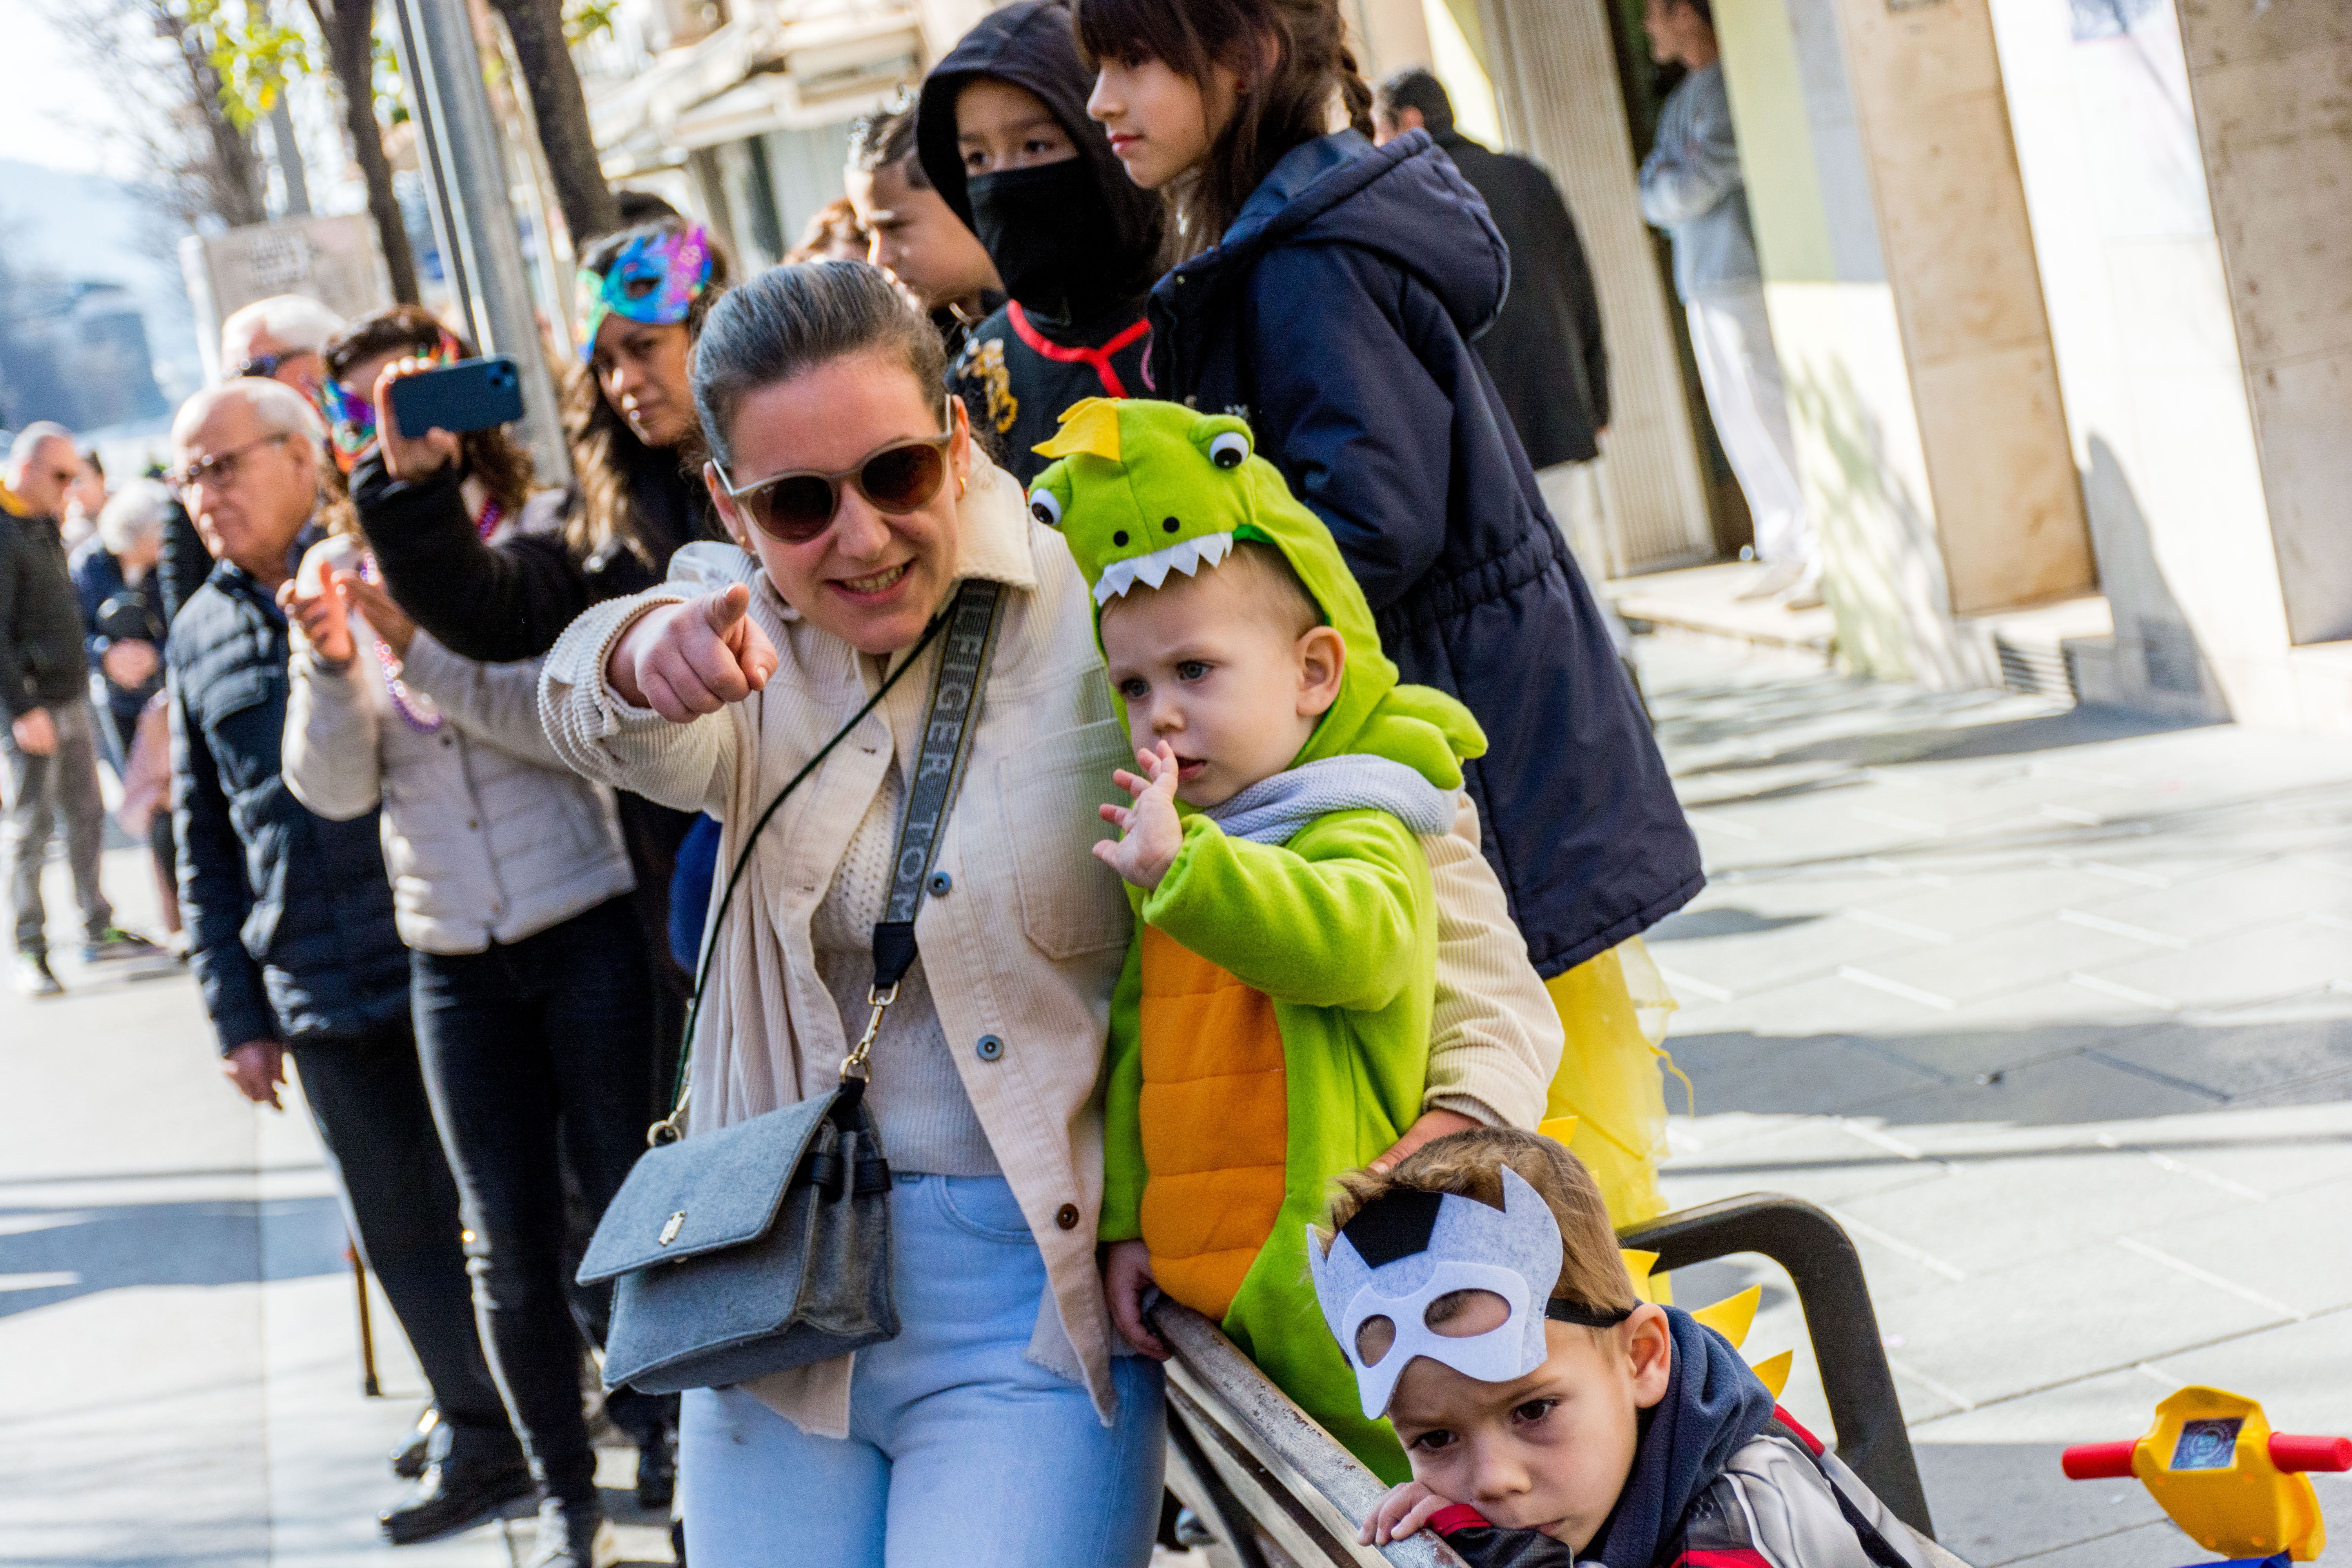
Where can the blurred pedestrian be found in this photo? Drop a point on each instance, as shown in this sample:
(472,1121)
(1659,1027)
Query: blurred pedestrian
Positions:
(530,985)
(1333,292)
(1004,137)
(834,233)
(281,339)
(1693,188)
(292,932)
(85,498)
(51,746)
(123,628)
(914,234)
(114,572)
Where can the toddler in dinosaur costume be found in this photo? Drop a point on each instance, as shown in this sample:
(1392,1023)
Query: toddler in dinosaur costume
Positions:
(1272,1027)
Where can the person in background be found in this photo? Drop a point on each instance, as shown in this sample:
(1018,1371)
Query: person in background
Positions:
(123,628)
(281,339)
(531,987)
(834,233)
(1692,187)
(915,236)
(51,744)
(292,935)
(85,498)
(115,577)
(1004,137)
(1334,292)
(1545,352)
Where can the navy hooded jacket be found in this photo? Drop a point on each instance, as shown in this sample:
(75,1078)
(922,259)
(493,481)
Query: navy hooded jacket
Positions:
(1337,316)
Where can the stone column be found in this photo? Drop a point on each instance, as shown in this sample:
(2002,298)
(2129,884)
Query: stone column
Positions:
(1555,74)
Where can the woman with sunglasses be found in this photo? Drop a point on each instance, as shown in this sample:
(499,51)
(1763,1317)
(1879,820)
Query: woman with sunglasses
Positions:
(1003,1424)
(529,984)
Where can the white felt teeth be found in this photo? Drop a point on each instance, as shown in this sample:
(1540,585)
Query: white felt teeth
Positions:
(1188,557)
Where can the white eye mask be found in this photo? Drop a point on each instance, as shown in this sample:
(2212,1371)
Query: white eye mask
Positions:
(1403,1251)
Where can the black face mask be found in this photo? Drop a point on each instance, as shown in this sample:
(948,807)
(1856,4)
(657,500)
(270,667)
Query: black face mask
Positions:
(1050,230)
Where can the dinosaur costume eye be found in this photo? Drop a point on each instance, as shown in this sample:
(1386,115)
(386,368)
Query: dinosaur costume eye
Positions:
(1046,506)
(1227,450)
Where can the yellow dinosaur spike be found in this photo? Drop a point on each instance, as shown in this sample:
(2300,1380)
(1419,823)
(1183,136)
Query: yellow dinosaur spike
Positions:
(1772,1372)
(1089,426)
(1731,1316)
(1638,1265)
(1559,1130)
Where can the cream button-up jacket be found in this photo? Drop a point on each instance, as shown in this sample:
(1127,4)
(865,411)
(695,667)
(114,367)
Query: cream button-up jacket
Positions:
(1025,946)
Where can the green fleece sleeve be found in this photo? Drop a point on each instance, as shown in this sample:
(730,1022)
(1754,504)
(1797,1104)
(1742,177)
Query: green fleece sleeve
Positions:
(1123,1169)
(1328,920)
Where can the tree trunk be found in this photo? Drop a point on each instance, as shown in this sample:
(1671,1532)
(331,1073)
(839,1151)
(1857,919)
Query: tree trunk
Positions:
(236,172)
(349,26)
(561,110)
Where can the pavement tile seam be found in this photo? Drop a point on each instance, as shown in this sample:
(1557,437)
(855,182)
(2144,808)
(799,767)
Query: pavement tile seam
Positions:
(2219,1282)
(2159,1527)
(1917,1428)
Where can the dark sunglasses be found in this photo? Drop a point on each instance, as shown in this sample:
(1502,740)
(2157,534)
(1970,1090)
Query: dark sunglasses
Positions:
(796,507)
(261,367)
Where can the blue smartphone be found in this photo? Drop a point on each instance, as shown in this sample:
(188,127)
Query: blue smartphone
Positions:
(472,395)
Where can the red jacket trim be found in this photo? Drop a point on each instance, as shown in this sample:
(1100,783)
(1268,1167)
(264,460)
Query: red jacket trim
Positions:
(1806,1439)
(1460,1516)
(1023,329)
(1723,1557)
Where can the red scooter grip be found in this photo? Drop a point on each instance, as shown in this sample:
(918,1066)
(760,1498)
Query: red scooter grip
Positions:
(2099,1461)
(2293,1453)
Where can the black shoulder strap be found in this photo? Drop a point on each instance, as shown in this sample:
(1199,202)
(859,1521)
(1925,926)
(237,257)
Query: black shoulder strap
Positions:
(940,762)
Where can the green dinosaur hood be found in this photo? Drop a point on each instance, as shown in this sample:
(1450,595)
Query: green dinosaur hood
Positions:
(1140,489)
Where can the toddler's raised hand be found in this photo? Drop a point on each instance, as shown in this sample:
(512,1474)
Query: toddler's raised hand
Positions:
(1149,831)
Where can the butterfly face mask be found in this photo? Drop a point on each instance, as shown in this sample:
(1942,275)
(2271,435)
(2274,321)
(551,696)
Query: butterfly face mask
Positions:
(351,415)
(1405,1251)
(656,279)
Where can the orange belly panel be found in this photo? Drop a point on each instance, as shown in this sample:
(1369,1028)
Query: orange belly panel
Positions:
(1215,1123)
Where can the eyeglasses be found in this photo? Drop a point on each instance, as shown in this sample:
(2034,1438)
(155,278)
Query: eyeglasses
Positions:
(262,367)
(796,507)
(220,470)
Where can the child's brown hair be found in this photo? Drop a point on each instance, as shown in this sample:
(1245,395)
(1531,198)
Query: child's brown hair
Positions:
(1294,61)
(1469,1164)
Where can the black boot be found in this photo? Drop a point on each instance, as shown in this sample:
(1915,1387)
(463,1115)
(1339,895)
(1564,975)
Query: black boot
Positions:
(572,1535)
(454,1495)
(656,1472)
(408,1460)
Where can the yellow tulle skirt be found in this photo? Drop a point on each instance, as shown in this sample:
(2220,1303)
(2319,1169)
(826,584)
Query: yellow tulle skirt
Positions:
(1611,1074)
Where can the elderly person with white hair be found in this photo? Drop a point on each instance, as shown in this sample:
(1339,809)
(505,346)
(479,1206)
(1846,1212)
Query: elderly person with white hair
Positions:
(281,339)
(291,926)
(123,619)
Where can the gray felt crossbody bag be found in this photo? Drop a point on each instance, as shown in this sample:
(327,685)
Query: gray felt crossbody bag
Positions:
(766,1245)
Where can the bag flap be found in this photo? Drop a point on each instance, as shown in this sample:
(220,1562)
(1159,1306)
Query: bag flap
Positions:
(699,1194)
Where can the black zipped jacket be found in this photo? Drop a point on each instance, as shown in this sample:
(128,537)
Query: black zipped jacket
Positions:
(40,615)
(1338,314)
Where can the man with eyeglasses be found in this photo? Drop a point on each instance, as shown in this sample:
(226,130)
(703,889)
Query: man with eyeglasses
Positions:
(290,920)
(51,744)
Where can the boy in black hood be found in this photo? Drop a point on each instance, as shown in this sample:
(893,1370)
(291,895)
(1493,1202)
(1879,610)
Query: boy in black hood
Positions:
(1004,134)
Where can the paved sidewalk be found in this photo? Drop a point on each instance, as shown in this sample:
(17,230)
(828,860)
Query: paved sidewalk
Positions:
(2054,1011)
(179,1361)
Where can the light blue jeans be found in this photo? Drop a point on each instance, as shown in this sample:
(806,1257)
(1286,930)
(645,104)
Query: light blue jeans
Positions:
(961,1452)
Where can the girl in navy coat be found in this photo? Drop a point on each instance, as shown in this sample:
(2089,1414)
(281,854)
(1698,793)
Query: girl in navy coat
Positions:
(1330,294)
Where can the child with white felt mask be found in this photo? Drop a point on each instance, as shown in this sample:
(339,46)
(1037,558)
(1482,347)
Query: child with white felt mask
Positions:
(1550,1416)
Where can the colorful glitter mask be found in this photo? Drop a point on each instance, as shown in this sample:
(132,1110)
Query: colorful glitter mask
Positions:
(351,417)
(656,279)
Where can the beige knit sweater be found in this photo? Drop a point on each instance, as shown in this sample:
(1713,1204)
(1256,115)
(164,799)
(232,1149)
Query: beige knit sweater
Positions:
(1022,953)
